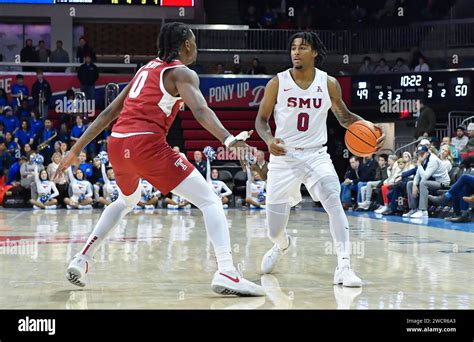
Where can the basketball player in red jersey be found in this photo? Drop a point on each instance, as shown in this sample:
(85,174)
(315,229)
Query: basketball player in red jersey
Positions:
(299,98)
(138,149)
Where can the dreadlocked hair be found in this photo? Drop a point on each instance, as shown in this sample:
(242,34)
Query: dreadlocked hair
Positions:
(312,39)
(171,36)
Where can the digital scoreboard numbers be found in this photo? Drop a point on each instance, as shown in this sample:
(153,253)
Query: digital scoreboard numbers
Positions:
(443,87)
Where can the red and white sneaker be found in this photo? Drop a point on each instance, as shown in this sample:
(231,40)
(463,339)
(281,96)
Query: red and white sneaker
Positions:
(234,284)
(77,270)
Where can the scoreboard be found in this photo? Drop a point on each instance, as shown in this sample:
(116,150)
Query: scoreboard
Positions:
(176,3)
(448,87)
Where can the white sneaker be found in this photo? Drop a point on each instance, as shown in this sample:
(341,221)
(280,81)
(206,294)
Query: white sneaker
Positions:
(225,206)
(172,206)
(233,283)
(148,207)
(381,209)
(35,207)
(419,213)
(51,207)
(345,276)
(263,206)
(84,207)
(411,212)
(77,270)
(271,258)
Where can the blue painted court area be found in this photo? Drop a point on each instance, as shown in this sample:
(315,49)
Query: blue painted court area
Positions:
(429,222)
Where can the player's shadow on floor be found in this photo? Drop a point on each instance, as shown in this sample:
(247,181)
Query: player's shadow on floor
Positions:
(73,299)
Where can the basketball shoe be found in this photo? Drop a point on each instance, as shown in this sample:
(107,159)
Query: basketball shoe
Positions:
(271,258)
(345,276)
(233,283)
(77,270)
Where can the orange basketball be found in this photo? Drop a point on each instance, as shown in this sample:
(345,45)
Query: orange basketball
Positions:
(361,138)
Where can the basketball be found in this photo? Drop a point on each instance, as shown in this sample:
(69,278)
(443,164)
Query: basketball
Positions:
(361,138)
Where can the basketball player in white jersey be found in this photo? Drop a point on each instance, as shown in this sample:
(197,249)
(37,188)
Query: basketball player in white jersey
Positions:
(300,98)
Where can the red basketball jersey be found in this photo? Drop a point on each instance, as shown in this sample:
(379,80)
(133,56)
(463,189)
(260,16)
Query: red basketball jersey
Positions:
(148,107)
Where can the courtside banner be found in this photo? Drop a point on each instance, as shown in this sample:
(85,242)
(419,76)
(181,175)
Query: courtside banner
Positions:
(61,82)
(220,91)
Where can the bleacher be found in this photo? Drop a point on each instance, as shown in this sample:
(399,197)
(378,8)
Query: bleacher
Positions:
(196,137)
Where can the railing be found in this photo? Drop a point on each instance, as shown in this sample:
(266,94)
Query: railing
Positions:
(407,147)
(457,117)
(436,35)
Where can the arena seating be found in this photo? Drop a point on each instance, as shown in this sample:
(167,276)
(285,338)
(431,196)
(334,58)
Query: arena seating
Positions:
(196,137)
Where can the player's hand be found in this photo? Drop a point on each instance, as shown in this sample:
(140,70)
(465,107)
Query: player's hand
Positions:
(276,147)
(245,153)
(381,140)
(70,159)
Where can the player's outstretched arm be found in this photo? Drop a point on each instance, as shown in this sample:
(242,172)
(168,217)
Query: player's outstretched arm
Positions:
(265,111)
(105,118)
(187,84)
(342,113)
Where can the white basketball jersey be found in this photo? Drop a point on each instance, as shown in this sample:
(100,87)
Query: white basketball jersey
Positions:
(300,115)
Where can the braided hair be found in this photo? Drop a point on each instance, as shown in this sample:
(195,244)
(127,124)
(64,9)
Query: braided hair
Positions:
(312,39)
(171,36)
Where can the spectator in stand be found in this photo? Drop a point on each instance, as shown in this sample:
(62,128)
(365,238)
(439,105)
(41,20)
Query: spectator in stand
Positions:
(23,112)
(446,157)
(43,52)
(12,147)
(27,150)
(64,135)
(41,93)
(261,166)
(366,67)
(422,65)
(3,99)
(178,151)
(456,157)
(382,68)
(19,91)
(46,190)
(251,19)
(36,125)
(84,165)
(237,69)
(24,135)
(257,68)
(10,122)
(5,159)
(468,150)
(63,149)
(392,172)
(426,122)
(88,73)
(460,194)
(199,164)
(268,20)
(380,175)
(27,171)
(77,130)
(431,175)
(356,173)
(219,69)
(460,140)
(400,66)
(61,181)
(14,175)
(28,54)
(83,50)
(47,134)
(59,56)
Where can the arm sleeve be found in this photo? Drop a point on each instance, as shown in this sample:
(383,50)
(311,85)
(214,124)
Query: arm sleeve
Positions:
(70,175)
(104,174)
(208,171)
(227,192)
(89,190)
(55,190)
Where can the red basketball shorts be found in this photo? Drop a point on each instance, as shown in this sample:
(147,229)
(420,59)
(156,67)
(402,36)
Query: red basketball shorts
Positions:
(146,156)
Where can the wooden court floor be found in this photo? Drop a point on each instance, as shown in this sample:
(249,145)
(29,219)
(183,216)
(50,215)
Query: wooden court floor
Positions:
(163,260)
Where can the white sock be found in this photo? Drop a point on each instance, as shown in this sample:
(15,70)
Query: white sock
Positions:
(110,218)
(196,191)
